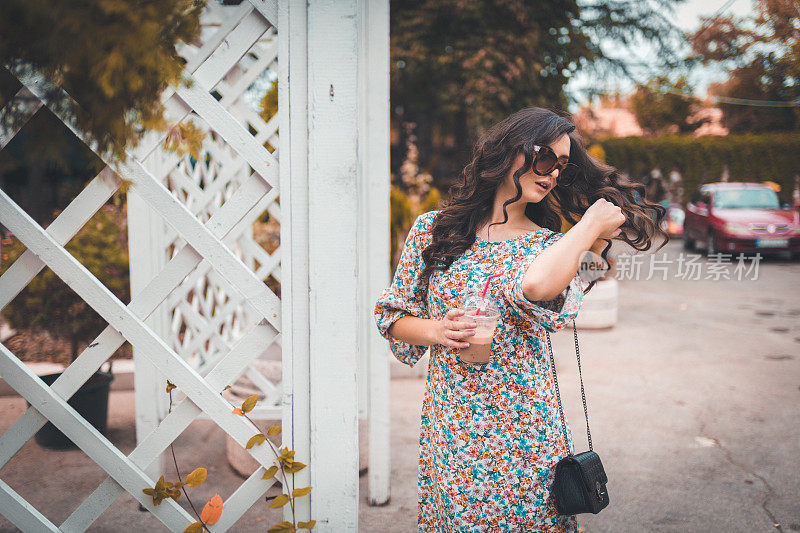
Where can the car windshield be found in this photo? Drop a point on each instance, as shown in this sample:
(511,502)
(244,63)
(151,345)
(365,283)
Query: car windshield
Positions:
(746,198)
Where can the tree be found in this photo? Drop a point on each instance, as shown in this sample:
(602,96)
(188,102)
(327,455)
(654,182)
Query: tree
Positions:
(114,58)
(763,55)
(661,106)
(459,66)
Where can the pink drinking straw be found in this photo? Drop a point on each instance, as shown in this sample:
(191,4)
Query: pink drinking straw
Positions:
(486,288)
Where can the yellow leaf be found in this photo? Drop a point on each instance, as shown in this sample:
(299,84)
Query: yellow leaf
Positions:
(249,403)
(282,527)
(212,510)
(226,388)
(296,466)
(256,440)
(149,492)
(301,492)
(273,430)
(286,454)
(197,477)
(160,484)
(170,386)
(279,501)
(267,475)
(195,527)
(306,525)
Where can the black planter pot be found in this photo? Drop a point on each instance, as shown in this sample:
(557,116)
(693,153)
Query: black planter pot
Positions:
(90,401)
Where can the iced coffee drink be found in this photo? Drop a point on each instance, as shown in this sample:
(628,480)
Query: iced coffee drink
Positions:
(486,315)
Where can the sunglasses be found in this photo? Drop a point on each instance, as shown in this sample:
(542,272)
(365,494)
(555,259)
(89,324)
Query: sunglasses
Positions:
(545,162)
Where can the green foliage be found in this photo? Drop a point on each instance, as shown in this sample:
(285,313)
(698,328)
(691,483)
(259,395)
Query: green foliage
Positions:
(114,58)
(658,106)
(457,67)
(762,54)
(49,304)
(749,157)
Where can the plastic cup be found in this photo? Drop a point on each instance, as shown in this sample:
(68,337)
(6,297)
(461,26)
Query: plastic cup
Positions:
(480,343)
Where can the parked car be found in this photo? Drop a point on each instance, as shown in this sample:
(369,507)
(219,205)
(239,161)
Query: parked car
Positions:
(673,222)
(740,217)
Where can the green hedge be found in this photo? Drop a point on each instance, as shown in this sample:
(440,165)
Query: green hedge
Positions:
(750,157)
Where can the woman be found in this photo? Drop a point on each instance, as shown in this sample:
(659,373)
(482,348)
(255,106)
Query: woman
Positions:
(490,432)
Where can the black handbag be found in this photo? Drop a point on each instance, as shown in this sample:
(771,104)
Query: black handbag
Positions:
(579,481)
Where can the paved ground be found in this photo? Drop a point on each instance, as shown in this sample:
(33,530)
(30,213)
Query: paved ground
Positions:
(693,399)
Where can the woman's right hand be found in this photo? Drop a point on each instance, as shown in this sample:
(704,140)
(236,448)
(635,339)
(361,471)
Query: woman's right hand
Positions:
(605,218)
(450,331)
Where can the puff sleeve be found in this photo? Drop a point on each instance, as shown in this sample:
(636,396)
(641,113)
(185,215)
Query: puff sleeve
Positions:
(552,315)
(404,296)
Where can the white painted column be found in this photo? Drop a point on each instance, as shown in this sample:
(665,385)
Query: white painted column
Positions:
(293,105)
(145,251)
(374,249)
(332,55)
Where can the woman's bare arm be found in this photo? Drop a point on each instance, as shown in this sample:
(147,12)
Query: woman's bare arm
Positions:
(553,269)
(452,330)
(414,330)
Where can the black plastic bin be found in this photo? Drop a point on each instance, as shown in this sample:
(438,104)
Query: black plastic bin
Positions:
(90,401)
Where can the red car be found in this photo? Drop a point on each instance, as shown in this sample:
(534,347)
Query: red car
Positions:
(740,217)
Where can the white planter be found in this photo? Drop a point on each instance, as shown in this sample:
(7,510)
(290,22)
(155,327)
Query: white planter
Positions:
(599,307)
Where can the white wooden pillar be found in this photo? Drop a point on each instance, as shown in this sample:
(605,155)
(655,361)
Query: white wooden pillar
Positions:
(146,259)
(319,196)
(374,246)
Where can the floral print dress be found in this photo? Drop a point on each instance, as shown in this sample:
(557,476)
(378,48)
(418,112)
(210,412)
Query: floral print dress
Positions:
(490,434)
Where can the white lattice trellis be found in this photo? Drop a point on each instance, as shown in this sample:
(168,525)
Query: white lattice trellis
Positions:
(201,312)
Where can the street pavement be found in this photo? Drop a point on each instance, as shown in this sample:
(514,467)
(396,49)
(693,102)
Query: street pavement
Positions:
(694,405)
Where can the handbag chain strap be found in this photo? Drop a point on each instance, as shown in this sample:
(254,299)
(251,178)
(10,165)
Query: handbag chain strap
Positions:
(558,396)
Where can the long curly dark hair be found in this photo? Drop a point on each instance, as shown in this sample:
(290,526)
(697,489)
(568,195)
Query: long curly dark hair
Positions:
(470,202)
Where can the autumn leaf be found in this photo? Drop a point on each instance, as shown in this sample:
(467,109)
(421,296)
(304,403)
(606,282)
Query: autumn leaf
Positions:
(212,510)
(279,501)
(255,440)
(197,477)
(286,457)
(170,386)
(195,527)
(273,430)
(306,525)
(237,411)
(296,466)
(271,471)
(282,527)
(249,403)
(161,484)
(301,492)
(226,388)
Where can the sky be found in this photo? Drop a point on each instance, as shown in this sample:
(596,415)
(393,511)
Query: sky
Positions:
(687,18)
